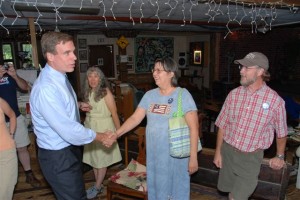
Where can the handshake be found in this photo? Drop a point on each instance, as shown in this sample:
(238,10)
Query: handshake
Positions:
(107,138)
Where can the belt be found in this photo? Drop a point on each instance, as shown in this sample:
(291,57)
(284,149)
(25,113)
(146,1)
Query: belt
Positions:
(240,151)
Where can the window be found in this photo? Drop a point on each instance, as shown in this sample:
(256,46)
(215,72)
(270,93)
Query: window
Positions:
(27,48)
(7,53)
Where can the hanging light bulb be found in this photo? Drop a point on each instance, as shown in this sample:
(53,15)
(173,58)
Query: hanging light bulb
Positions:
(56,29)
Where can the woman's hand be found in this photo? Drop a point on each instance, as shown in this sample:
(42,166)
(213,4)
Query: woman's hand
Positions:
(193,166)
(86,107)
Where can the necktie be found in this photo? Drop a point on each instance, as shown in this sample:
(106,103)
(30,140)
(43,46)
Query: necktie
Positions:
(74,97)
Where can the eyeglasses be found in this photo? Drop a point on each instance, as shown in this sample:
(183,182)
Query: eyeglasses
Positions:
(247,68)
(158,70)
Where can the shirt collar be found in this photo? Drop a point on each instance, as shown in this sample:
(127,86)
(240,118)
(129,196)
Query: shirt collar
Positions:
(52,72)
(260,91)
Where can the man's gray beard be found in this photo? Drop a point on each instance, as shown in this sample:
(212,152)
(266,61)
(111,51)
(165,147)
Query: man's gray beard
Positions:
(247,83)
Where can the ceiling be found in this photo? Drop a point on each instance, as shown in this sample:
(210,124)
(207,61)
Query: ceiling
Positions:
(149,15)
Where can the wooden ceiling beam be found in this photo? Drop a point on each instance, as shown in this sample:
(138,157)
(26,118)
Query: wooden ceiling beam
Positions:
(150,20)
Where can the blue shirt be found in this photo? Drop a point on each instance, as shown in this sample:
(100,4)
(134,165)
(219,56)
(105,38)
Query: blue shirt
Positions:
(292,107)
(53,111)
(8,92)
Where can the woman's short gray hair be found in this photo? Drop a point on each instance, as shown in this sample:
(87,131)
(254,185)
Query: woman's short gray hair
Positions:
(170,66)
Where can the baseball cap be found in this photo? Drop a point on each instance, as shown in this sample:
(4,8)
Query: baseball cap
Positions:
(254,58)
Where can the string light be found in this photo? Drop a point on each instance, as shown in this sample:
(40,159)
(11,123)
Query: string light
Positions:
(152,3)
(273,15)
(219,10)
(237,13)
(172,7)
(228,12)
(253,18)
(191,13)
(156,14)
(56,15)
(229,30)
(213,10)
(141,10)
(81,5)
(208,11)
(17,14)
(262,15)
(183,9)
(27,2)
(4,18)
(130,15)
(229,20)
(111,9)
(104,11)
(39,15)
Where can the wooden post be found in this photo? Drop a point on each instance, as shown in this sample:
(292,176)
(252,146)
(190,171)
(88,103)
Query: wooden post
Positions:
(35,58)
(217,56)
(122,66)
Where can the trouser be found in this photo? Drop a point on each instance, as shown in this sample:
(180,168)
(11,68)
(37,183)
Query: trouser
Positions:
(63,171)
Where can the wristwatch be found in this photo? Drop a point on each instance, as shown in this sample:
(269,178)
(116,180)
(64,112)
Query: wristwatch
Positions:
(280,156)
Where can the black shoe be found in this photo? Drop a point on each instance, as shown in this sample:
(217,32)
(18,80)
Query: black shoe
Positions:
(34,182)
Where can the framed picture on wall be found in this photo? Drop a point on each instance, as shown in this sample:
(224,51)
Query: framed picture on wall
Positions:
(197,57)
(117,59)
(148,49)
(130,59)
(130,67)
(196,52)
(100,61)
(82,43)
(82,54)
(83,67)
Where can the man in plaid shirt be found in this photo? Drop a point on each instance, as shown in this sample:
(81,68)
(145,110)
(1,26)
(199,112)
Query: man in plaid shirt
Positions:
(248,121)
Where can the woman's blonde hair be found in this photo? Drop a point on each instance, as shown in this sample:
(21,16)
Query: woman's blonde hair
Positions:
(100,90)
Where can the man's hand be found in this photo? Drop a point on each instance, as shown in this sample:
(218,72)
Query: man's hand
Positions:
(107,138)
(2,71)
(276,163)
(218,160)
(11,70)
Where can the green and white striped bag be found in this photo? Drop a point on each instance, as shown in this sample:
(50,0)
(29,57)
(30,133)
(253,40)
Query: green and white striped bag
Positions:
(179,133)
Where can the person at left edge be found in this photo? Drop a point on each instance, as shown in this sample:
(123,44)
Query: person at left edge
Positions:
(10,83)
(54,110)
(8,155)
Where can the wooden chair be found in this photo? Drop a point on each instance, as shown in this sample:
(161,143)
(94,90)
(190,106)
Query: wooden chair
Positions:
(115,188)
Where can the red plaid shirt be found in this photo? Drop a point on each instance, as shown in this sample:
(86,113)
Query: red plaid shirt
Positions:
(249,120)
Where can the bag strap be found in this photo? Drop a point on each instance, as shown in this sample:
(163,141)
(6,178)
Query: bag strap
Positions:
(179,112)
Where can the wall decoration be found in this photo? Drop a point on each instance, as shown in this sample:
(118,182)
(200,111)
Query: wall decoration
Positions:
(83,55)
(100,61)
(197,57)
(83,67)
(130,63)
(130,59)
(117,59)
(122,42)
(123,58)
(148,49)
(197,53)
(82,43)
(130,67)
